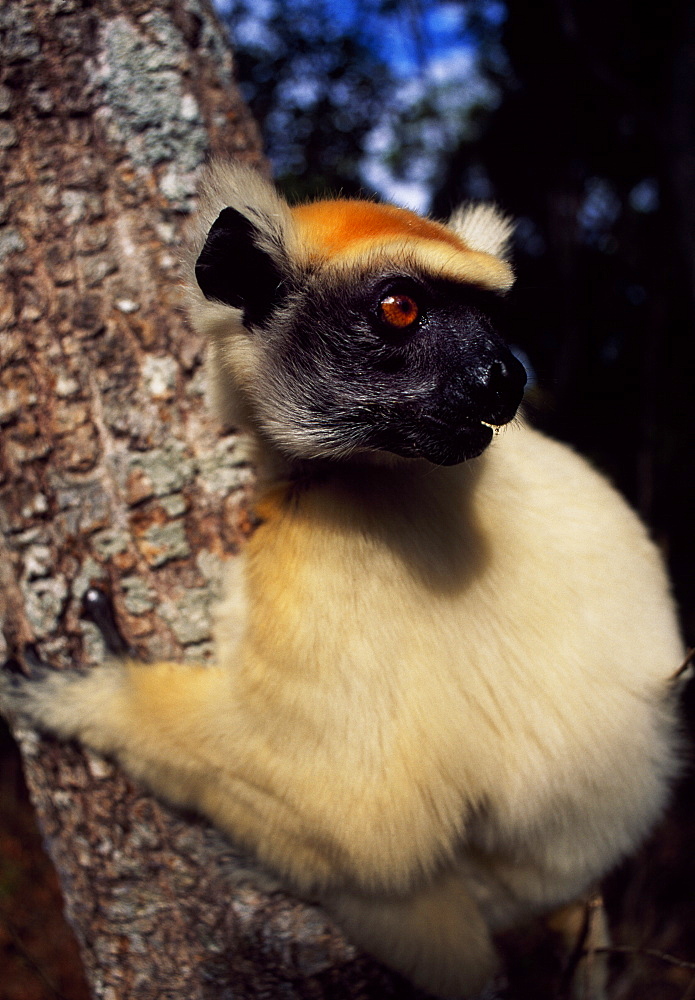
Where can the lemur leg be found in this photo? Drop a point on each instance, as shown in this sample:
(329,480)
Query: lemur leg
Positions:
(166,723)
(183,731)
(156,719)
(436,936)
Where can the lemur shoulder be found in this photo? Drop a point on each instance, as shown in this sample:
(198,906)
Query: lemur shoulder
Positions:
(440,701)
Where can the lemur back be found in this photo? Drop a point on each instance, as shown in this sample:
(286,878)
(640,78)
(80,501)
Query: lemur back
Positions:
(441,699)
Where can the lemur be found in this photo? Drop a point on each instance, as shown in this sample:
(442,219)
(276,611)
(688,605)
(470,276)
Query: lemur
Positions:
(440,702)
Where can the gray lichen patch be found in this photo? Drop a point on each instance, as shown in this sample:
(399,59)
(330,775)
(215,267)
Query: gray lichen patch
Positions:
(36,506)
(160,543)
(189,616)
(6,99)
(212,567)
(144,104)
(8,135)
(84,506)
(20,42)
(18,392)
(56,651)
(44,602)
(110,542)
(211,39)
(160,374)
(225,468)
(93,645)
(66,386)
(154,473)
(174,505)
(199,652)
(95,269)
(11,241)
(37,562)
(78,206)
(138,598)
(90,571)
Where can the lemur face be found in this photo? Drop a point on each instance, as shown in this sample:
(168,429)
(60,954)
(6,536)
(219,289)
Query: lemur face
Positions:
(372,350)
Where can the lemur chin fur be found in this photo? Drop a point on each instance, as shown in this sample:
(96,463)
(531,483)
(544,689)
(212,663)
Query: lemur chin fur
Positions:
(440,702)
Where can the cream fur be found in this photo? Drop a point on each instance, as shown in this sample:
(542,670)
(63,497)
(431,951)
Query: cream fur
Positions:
(484,228)
(441,700)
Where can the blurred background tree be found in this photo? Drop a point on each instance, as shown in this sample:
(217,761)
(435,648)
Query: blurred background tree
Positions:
(576,117)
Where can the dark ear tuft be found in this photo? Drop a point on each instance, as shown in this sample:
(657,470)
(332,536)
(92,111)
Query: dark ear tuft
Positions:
(232,268)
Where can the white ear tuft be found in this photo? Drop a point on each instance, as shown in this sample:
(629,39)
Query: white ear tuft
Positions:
(232,185)
(482,226)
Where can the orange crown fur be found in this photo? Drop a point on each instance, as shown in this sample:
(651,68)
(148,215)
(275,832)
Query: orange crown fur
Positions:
(341,231)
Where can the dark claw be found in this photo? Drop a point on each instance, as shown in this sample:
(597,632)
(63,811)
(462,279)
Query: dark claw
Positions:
(32,660)
(12,667)
(98,607)
(14,682)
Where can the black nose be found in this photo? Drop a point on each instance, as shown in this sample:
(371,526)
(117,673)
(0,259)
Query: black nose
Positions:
(500,387)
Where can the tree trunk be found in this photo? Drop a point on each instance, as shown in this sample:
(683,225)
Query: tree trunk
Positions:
(113,474)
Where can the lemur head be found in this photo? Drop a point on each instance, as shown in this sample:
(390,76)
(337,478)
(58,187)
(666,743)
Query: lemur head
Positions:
(349,326)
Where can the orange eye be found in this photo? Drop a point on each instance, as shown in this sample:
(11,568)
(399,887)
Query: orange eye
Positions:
(399,311)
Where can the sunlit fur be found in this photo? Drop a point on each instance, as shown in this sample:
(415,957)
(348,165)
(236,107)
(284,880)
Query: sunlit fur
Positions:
(440,703)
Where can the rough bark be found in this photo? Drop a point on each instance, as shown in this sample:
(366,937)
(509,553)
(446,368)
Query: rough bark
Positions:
(113,474)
